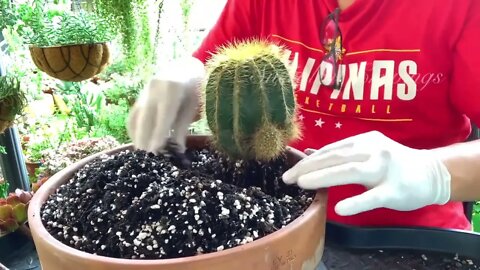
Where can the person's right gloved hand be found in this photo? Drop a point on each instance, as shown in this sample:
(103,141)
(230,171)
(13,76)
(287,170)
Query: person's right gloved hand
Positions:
(166,107)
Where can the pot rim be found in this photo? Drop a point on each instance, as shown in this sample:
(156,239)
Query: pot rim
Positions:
(50,186)
(68,45)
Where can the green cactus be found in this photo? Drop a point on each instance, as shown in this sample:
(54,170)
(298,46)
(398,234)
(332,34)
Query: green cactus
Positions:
(249,100)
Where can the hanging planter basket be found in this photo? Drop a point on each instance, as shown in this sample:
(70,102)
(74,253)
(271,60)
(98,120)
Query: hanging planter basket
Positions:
(4,125)
(7,115)
(72,63)
(12,101)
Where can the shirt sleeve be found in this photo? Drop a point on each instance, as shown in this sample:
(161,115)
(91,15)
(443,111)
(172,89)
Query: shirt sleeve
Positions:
(237,21)
(465,79)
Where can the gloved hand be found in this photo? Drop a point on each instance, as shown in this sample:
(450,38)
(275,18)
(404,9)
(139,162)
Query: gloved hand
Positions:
(168,104)
(397,177)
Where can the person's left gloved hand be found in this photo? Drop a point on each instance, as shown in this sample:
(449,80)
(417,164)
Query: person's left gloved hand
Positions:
(397,177)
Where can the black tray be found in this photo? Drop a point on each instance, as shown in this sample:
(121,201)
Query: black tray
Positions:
(353,248)
(459,242)
(17,252)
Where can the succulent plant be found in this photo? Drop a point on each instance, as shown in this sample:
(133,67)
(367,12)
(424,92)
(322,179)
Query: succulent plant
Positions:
(13,211)
(249,100)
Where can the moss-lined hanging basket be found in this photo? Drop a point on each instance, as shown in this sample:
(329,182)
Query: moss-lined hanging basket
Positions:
(12,101)
(7,116)
(4,124)
(72,63)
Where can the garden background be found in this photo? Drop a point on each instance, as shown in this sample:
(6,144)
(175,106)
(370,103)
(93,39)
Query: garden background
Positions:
(66,121)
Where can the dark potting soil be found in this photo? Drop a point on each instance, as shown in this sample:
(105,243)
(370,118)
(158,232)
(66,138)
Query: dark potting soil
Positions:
(344,259)
(141,206)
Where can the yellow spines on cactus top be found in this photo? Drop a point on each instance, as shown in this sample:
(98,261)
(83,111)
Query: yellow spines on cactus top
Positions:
(249,100)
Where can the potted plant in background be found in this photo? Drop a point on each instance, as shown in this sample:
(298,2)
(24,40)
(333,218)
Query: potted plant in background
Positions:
(67,153)
(71,47)
(128,209)
(34,146)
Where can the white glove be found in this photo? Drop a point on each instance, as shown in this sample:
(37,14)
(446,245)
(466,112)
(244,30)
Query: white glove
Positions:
(397,177)
(168,104)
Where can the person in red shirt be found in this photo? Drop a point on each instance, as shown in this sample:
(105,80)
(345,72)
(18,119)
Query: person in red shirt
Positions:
(387,90)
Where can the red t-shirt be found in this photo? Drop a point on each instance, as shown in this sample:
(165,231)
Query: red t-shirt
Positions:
(411,73)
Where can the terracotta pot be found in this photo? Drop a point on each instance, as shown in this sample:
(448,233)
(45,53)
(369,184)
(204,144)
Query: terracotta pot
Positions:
(31,167)
(71,63)
(297,246)
(39,183)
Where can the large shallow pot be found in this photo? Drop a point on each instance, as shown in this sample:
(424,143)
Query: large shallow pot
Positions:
(73,62)
(298,246)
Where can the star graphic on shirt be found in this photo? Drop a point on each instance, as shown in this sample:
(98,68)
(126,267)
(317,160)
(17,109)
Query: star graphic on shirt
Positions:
(301,117)
(319,122)
(338,125)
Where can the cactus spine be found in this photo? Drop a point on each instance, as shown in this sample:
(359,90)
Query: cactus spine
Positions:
(249,100)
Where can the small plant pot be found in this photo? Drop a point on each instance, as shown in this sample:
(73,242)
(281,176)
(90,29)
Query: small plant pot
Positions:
(298,246)
(72,63)
(31,167)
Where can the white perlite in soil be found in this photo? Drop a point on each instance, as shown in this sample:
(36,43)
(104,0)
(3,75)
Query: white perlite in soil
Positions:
(140,206)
